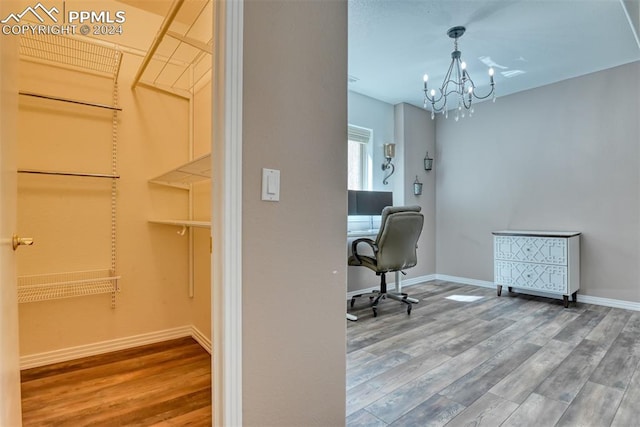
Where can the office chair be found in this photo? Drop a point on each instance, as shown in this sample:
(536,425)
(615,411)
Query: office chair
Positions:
(393,250)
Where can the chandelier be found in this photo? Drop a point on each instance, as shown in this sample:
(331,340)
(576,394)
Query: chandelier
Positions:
(457,84)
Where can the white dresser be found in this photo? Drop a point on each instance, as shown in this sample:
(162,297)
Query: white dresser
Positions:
(543,261)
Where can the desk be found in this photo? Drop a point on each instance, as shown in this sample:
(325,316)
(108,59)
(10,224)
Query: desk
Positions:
(371,233)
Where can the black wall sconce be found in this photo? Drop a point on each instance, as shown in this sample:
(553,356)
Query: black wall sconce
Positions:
(417,187)
(389,153)
(428,162)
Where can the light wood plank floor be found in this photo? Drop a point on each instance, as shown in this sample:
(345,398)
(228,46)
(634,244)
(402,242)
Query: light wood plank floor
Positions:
(514,360)
(168,383)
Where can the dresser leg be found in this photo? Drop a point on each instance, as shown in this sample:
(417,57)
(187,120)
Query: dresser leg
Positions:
(574,296)
(566,300)
(499,290)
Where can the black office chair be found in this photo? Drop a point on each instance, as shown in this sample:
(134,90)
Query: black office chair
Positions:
(393,250)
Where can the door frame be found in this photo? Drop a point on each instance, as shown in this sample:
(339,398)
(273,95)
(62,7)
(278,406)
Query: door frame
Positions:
(226,208)
(10,403)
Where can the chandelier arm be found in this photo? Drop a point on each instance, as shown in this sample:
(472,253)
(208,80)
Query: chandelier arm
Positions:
(485,96)
(464,101)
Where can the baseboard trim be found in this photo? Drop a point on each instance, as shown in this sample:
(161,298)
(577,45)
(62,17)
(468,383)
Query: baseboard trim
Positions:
(65,354)
(405,283)
(606,302)
(201,339)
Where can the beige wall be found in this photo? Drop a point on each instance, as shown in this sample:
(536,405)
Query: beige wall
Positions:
(560,157)
(294,255)
(201,313)
(69,217)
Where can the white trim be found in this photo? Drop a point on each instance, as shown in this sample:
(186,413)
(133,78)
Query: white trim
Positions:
(408,282)
(231,315)
(466,281)
(606,302)
(201,338)
(70,353)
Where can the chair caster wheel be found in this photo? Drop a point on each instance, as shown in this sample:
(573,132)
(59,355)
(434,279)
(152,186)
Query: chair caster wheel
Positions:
(353,301)
(409,309)
(375,313)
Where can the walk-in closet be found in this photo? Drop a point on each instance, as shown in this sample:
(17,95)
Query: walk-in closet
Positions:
(114,181)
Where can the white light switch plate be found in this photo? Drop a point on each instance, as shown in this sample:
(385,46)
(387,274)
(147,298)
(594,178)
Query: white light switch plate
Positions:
(270,185)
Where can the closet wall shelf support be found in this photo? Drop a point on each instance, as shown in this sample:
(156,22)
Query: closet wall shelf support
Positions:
(91,175)
(72,101)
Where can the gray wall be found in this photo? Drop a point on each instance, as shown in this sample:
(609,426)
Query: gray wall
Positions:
(376,115)
(560,157)
(413,131)
(294,255)
(416,131)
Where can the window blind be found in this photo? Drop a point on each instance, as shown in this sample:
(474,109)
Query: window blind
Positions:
(358,134)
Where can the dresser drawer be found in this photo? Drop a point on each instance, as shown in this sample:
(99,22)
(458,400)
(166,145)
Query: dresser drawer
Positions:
(542,250)
(543,277)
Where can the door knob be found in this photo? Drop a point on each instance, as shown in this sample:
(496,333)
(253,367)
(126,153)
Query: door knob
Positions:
(18,241)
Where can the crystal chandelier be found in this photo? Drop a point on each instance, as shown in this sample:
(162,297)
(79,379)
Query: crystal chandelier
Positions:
(457,84)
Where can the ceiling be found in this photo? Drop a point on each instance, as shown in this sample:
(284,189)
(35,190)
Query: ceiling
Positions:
(393,43)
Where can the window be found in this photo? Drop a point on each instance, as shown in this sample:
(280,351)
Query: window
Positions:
(358,140)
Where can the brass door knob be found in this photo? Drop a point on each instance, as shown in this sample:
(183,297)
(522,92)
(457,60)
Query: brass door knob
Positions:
(19,241)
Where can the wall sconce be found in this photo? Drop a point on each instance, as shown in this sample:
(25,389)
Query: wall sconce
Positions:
(389,153)
(417,187)
(428,162)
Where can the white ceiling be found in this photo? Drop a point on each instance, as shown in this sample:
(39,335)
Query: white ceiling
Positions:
(393,43)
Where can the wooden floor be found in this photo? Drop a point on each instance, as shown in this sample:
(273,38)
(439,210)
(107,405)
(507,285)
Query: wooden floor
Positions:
(159,384)
(514,360)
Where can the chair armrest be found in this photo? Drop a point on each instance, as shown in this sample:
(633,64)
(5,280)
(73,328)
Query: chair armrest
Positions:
(354,247)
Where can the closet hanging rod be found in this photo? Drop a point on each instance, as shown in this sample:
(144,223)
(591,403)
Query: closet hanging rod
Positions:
(73,101)
(91,175)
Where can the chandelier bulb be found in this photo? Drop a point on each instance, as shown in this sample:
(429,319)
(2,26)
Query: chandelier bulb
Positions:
(490,72)
(433,93)
(425,77)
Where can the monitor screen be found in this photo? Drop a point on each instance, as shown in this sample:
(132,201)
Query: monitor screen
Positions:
(368,202)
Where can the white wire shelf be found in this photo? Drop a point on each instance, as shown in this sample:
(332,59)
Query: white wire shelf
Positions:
(45,287)
(71,52)
(180,58)
(196,170)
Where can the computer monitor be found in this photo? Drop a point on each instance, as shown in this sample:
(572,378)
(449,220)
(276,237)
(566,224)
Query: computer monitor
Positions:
(368,202)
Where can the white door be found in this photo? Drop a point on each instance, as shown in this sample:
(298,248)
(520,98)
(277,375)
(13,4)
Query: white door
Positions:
(10,408)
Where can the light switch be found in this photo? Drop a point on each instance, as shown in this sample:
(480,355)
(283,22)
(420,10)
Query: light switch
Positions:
(270,185)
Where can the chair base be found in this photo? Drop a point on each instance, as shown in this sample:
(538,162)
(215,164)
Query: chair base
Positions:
(376,296)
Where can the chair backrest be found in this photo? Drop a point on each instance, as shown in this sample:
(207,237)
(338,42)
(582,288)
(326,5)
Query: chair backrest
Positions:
(397,240)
